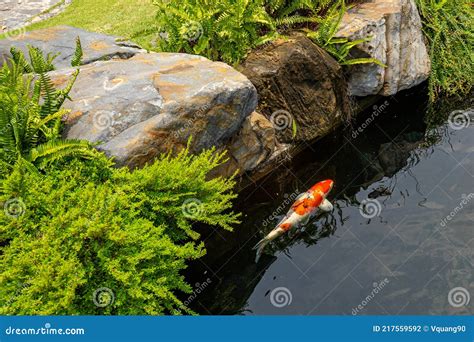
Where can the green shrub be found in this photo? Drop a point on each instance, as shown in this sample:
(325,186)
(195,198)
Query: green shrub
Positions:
(39,63)
(285,8)
(449,27)
(80,237)
(30,114)
(84,229)
(339,48)
(222,29)
(228,29)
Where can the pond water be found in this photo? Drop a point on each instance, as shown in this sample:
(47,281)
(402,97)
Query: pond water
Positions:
(387,248)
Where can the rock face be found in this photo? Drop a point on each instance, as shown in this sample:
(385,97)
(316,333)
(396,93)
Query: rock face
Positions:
(251,146)
(397,41)
(296,80)
(136,105)
(152,103)
(62,39)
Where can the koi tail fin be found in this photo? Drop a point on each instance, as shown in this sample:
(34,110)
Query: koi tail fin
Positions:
(259,247)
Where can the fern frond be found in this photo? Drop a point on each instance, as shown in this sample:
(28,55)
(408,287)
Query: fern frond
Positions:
(30,114)
(54,150)
(78,53)
(19,59)
(293,20)
(63,95)
(39,62)
(48,92)
(355,61)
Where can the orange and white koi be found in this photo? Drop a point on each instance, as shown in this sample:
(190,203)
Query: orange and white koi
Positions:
(304,207)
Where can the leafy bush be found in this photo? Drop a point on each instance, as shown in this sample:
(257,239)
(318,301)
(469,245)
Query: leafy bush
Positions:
(39,63)
(89,239)
(223,29)
(339,48)
(449,27)
(30,114)
(228,29)
(80,237)
(285,8)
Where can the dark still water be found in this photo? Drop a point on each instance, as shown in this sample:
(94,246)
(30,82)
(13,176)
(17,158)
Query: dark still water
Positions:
(399,241)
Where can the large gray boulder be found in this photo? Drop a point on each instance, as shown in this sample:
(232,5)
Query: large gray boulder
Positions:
(396,40)
(250,147)
(149,104)
(302,89)
(254,143)
(62,39)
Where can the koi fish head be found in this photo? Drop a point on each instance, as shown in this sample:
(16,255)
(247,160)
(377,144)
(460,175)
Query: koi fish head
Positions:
(324,186)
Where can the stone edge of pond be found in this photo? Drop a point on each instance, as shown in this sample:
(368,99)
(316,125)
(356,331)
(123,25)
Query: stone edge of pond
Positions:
(303,93)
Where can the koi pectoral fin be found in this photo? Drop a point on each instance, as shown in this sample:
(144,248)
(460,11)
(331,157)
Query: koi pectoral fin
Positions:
(259,247)
(305,221)
(326,206)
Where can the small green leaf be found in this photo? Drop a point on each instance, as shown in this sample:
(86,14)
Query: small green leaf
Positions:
(363,61)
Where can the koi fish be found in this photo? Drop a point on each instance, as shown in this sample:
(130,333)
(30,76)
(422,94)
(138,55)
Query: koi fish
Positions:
(301,211)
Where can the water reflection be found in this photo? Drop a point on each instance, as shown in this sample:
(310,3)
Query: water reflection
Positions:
(411,176)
